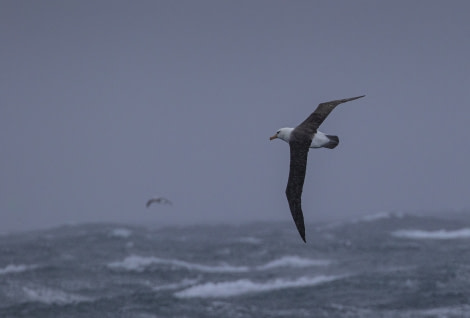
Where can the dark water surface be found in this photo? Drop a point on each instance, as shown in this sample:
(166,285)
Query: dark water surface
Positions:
(385,265)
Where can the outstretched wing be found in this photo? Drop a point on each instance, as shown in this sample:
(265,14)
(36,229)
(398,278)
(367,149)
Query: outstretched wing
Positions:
(149,202)
(310,125)
(295,184)
(166,201)
(158,200)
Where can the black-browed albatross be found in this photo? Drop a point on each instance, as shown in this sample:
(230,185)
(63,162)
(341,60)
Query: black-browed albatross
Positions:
(158,200)
(301,139)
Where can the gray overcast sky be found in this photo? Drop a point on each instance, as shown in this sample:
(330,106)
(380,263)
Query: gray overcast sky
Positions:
(106,103)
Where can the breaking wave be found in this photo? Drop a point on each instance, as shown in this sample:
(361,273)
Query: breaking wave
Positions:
(184,283)
(435,235)
(139,264)
(293,261)
(380,216)
(10,269)
(52,296)
(246,286)
(457,311)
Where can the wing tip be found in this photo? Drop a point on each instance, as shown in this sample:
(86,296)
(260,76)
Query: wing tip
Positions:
(301,229)
(352,98)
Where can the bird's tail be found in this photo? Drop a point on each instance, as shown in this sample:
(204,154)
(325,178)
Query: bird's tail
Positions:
(332,143)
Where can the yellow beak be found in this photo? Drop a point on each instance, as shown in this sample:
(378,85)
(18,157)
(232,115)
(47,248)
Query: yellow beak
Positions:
(273,137)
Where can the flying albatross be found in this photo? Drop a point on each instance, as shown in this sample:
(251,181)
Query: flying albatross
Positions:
(158,200)
(300,139)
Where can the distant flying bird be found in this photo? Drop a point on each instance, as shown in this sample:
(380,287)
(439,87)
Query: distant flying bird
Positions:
(300,139)
(161,200)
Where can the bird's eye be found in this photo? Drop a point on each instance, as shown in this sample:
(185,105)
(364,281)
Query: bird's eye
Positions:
(278,132)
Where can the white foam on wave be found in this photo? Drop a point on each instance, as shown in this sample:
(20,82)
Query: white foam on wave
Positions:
(293,261)
(246,286)
(52,296)
(380,216)
(139,264)
(10,269)
(457,311)
(184,283)
(121,232)
(435,235)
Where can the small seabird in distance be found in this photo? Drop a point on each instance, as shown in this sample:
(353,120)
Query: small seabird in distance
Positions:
(301,139)
(161,200)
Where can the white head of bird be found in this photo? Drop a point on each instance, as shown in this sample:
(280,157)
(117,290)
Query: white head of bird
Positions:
(283,133)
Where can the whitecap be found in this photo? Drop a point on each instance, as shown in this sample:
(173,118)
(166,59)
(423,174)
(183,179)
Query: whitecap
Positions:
(140,263)
(52,296)
(457,311)
(120,232)
(293,261)
(10,269)
(246,286)
(380,216)
(435,235)
(184,283)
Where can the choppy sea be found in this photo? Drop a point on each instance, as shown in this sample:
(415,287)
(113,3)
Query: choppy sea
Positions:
(383,265)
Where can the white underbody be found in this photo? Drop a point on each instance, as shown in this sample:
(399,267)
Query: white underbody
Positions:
(318,141)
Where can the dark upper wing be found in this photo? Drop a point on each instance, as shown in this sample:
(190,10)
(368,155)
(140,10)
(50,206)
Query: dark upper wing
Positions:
(158,200)
(295,184)
(149,202)
(311,124)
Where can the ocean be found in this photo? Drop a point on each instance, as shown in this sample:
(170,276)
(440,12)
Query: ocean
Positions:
(382,265)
